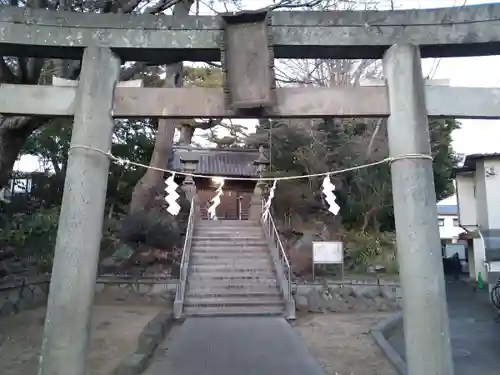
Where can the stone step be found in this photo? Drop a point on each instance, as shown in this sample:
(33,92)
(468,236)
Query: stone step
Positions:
(245,226)
(225,236)
(233,290)
(251,265)
(229,250)
(232,273)
(243,256)
(225,245)
(231,261)
(232,252)
(228,237)
(230,284)
(228,223)
(229,232)
(228,293)
(228,242)
(223,269)
(234,301)
(263,260)
(234,311)
(209,290)
(219,228)
(236,277)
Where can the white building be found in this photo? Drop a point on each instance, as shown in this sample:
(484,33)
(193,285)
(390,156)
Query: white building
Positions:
(449,225)
(478,198)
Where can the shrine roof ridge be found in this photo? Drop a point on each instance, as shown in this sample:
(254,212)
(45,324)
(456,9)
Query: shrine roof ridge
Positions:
(220,162)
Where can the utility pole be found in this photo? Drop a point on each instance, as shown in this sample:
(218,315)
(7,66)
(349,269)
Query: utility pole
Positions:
(426,326)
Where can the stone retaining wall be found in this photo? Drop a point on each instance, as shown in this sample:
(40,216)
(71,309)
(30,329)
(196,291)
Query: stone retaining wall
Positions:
(347,296)
(334,296)
(153,288)
(18,296)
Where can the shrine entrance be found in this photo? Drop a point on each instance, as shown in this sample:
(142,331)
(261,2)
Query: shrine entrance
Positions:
(247,44)
(238,168)
(234,203)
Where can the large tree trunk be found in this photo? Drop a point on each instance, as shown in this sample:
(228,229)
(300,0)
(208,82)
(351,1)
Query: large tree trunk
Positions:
(146,189)
(14,131)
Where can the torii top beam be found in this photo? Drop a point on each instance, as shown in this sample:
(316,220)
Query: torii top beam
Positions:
(447,32)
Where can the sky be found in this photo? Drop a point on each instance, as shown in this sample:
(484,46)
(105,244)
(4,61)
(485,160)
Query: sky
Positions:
(475,136)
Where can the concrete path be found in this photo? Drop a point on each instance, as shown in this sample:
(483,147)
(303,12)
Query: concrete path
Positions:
(475,336)
(236,345)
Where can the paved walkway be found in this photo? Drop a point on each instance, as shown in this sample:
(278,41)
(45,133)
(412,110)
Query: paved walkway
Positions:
(475,336)
(239,345)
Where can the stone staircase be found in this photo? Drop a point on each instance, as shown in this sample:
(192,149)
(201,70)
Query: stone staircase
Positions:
(231,271)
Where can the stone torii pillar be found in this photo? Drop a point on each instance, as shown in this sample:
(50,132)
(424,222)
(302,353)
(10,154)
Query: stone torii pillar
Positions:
(426,326)
(74,272)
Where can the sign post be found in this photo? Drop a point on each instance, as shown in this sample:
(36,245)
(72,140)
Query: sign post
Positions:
(331,252)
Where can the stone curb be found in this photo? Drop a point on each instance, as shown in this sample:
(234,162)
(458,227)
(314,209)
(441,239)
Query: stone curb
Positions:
(380,333)
(151,336)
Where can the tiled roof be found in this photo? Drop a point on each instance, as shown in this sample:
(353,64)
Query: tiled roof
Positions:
(219,162)
(445,209)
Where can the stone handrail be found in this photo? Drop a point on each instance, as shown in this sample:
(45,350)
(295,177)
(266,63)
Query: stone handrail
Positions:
(186,253)
(282,265)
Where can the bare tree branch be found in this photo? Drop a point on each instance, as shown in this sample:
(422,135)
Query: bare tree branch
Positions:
(161,6)
(211,7)
(289,4)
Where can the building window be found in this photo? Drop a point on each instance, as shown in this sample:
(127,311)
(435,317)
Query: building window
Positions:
(441,222)
(455,222)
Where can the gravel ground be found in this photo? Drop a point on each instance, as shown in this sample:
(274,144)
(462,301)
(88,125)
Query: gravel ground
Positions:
(342,343)
(116,326)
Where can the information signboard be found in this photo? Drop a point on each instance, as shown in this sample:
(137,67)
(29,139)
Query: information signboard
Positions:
(328,252)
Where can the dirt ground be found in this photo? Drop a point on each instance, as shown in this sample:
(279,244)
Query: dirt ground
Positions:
(116,325)
(342,343)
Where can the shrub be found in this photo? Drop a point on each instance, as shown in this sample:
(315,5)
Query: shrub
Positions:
(363,249)
(31,238)
(32,231)
(156,228)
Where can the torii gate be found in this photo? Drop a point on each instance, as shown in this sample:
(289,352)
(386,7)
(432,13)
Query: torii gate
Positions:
(248,43)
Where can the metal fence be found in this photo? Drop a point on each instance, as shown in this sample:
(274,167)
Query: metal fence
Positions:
(23,294)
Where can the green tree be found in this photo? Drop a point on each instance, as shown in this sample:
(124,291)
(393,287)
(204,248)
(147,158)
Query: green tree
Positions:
(444,156)
(15,130)
(365,195)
